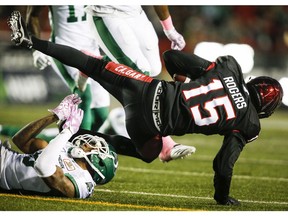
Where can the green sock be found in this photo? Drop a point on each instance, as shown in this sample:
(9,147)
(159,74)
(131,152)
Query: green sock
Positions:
(9,131)
(85,106)
(99,115)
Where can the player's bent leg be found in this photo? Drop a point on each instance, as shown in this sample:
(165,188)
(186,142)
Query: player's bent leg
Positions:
(112,37)
(115,123)
(99,115)
(85,106)
(149,43)
(100,105)
(151,149)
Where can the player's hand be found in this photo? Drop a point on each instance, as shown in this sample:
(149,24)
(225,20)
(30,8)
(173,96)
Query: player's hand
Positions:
(81,81)
(73,122)
(40,60)
(178,42)
(64,109)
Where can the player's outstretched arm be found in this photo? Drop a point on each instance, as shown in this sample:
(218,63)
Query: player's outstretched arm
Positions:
(223,165)
(177,40)
(25,139)
(33,18)
(45,165)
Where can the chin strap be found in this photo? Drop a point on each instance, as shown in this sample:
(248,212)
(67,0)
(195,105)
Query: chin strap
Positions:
(77,152)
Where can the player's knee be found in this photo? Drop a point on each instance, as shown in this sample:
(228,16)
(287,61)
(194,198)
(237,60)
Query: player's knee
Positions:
(155,69)
(151,149)
(154,73)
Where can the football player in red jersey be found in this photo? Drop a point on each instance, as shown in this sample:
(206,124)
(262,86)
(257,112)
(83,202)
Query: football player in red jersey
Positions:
(216,100)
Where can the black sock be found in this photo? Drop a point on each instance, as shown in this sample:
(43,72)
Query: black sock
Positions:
(67,55)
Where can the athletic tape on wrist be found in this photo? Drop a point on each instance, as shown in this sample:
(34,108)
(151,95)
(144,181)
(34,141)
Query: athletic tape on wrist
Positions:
(167,24)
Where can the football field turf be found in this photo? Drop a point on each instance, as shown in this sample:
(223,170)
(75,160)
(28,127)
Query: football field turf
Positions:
(260,179)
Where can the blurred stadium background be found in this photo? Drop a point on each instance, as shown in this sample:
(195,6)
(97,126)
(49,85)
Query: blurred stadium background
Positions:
(256,35)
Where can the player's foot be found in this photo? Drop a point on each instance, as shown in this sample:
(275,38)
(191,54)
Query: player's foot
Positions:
(177,152)
(230,201)
(19,34)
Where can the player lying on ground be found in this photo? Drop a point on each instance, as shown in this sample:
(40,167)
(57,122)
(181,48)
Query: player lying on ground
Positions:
(96,163)
(71,165)
(216,100)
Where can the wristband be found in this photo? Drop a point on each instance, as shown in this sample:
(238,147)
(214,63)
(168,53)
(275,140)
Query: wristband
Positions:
(167,24)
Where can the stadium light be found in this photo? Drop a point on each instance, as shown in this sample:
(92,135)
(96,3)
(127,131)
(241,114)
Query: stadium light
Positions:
(209,50)
(243,53)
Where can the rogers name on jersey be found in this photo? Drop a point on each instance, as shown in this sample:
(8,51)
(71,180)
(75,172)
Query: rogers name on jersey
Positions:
(235,93)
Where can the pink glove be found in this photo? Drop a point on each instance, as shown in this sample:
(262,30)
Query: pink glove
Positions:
(63,110)
(178,42)
(74,120)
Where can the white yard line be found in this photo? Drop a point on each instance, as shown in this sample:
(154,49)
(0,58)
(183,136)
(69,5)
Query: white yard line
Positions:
(185,173)
(246,160)
(184,196)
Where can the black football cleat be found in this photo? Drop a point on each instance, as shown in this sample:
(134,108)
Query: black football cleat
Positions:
(229,202)
(19,34)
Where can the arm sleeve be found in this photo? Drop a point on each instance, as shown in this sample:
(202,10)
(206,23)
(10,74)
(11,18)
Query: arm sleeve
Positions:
(185,64)
(45,165)
(223,165)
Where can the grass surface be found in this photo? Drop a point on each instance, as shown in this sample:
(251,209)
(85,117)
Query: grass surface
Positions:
(260,178)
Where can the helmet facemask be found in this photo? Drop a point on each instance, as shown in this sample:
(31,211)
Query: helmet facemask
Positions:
(100,158)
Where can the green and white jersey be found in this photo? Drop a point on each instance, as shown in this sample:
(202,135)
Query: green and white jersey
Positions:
(114,10)
(126,36)
(17,173)
(70,27)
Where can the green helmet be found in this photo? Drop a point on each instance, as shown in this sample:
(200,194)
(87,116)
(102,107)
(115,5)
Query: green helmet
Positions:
(102,158)
(106,165)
